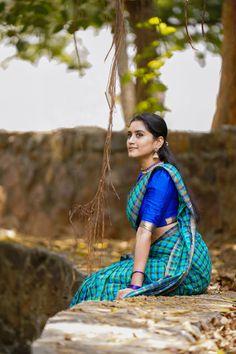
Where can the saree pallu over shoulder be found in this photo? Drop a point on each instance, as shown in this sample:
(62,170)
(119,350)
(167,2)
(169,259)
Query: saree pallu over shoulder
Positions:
(182,246)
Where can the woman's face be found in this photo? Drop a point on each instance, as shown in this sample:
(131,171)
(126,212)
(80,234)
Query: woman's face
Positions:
(140,142)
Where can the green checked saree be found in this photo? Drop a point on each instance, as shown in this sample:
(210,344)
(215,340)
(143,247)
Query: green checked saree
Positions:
(178,262)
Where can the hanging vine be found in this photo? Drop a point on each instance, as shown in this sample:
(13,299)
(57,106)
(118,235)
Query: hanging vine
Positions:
(92,213)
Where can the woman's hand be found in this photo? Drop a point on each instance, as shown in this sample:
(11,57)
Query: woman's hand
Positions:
(121,293)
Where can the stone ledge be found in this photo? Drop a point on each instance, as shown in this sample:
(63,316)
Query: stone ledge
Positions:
(137,325)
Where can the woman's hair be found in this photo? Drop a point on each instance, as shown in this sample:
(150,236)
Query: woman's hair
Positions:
(156,125)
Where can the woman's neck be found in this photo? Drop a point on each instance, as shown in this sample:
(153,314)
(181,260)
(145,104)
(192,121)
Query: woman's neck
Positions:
(144,165)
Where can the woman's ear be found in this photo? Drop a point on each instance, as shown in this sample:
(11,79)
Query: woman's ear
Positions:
(159,142)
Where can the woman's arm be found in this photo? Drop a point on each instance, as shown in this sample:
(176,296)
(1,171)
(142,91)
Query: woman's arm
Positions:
(141,251)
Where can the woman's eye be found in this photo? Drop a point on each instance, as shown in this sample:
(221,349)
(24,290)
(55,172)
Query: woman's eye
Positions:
(138,135)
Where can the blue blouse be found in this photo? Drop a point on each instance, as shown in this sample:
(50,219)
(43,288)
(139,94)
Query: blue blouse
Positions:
(160,200)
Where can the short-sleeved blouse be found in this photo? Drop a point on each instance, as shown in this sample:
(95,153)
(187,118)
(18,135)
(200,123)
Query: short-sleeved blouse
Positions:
(160,200)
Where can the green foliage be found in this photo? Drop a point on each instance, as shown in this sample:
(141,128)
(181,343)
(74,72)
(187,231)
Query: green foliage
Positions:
(46,28)
(150,61)
(204,26)
(41,27)
(199,12)
(151,105)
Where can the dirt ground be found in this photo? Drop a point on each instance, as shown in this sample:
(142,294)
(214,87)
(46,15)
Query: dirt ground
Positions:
(222,330)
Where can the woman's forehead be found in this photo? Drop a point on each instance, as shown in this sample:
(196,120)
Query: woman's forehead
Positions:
(137,125)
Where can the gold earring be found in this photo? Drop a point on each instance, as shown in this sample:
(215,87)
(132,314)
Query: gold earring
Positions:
(155,155)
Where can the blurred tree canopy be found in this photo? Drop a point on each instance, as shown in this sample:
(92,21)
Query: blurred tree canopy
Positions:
(155,29)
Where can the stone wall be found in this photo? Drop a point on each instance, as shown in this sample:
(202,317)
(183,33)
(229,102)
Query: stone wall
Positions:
(42,175)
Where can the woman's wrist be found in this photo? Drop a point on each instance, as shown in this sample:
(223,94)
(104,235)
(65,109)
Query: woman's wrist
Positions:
(137,278)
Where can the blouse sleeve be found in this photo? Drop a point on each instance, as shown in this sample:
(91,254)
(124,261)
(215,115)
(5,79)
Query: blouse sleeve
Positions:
(160,190)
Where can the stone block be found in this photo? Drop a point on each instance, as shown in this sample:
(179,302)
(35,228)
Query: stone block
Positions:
(34,285)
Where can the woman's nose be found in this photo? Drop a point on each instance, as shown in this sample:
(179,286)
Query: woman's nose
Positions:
(131,139)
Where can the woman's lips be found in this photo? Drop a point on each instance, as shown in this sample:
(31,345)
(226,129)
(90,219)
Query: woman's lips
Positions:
(132,148)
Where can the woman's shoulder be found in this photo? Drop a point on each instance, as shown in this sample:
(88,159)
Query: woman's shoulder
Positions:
(166,173)
(159,174)
(166,170)
(161,182)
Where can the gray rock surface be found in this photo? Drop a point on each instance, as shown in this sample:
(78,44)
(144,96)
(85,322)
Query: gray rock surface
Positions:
(138,325)
(34,285)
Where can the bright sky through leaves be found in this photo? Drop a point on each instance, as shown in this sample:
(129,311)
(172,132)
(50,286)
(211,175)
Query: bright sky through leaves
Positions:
(47,96)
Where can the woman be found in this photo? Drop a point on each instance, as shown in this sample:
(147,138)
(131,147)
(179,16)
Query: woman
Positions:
(170,256)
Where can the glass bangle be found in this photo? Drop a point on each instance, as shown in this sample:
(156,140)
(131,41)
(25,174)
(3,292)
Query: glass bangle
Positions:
(134,287)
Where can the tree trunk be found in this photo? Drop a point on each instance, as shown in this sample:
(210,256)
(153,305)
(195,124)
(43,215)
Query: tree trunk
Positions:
(140,11)
(127,95)
(226,100)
